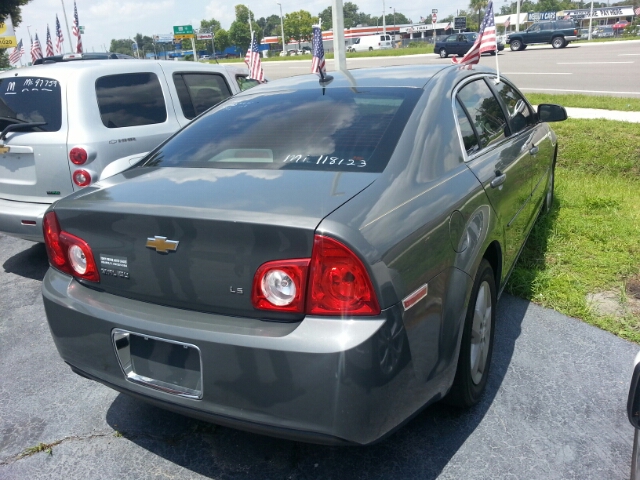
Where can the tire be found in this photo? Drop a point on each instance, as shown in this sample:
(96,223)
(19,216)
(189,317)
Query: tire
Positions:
(516,45)
(443,53)
(493,54)
(371,49)
(550,195)
(557,42)
(565,44)
(476,349)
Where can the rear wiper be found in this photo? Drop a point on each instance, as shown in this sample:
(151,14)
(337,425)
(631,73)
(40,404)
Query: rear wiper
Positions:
(19,126)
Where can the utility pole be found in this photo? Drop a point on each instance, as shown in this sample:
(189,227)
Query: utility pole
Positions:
(517,15)
(590,19)
(284,50)
(66,22)
(339,53)
(384,22)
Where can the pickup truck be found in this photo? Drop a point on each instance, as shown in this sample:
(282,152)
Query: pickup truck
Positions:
(556,32)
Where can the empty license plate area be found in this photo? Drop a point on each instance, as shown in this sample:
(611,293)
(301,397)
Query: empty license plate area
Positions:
(166,365)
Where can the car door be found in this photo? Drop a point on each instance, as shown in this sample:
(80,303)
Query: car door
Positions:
(533,34)
(501,162)
(546,31)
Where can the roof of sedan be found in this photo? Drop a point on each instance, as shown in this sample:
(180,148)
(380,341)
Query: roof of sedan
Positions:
(398,76)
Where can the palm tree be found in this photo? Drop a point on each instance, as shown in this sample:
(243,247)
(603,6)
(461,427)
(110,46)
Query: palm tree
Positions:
(478,5)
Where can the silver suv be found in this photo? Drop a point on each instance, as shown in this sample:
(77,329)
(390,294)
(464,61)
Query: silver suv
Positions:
(63,123)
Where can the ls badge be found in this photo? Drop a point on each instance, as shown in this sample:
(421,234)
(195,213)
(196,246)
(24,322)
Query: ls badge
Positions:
(162,245)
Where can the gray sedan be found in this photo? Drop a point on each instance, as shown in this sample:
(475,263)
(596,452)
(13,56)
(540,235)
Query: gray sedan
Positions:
(314,261)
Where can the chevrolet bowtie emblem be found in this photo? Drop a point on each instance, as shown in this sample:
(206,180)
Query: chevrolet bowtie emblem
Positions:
(162,245)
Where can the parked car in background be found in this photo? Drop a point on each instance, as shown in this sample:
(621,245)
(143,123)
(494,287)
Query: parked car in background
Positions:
(559,33)
(63,122)
(619,26)
(324,285)
(370,42)
(603,31)
(459,44)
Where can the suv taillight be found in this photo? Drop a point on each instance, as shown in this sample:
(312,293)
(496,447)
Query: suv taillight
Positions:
(78,156)
(337,283)
(68,253)
(81,178)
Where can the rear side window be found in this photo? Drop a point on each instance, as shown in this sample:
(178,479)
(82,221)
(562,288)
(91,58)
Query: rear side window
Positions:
(31,99)
(199,91)
(484,111)
(469,137)
(562,24)
(520,115)
(338,129)
(130,100)
(245,83)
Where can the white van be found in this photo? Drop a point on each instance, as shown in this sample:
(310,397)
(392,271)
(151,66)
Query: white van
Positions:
(371,42)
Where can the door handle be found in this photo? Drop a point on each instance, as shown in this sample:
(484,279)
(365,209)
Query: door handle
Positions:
(534,150)
(499,180)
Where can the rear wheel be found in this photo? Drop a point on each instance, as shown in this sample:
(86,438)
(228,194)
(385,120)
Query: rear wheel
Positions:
(515,45)
(476,348)
(565,44)
(443,53)
(493,53)
(557,42)
(371,49)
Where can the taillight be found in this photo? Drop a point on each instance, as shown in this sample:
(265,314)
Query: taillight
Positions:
(78,156)
(81,178)
(68,253)
(332,282)
(338,281)
(281,285)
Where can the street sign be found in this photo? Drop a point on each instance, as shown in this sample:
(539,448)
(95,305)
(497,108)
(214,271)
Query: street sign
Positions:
(460,23)
(435,10)
(163,38)
(205,36)
(178,36)
(434,18)
(81,28)
(7,35)
(183,30)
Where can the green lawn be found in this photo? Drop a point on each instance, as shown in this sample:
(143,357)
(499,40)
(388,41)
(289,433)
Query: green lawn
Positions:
(587,101)
(590,242)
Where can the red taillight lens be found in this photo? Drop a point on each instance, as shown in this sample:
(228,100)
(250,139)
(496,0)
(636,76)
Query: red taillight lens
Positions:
(81,178)
(68,253)
(78,155)
(339,283)
(281,285)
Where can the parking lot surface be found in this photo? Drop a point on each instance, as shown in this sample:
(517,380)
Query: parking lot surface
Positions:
(554,409)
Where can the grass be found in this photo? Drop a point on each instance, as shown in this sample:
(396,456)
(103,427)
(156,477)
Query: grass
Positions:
(608,39)
(587,101)
(590,241)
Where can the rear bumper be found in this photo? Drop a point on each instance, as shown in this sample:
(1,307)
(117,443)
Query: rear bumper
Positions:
(320,380)
(570,38)
(16,219)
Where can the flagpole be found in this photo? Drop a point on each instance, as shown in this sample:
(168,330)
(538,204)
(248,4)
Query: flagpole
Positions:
(66,22)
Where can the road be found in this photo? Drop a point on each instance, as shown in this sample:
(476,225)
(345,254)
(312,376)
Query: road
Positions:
(595,69)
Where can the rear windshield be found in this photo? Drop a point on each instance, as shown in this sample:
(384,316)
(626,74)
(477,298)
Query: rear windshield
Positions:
(31,99)
(339,129)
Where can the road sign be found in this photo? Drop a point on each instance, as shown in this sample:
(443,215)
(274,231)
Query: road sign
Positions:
(205,36)
(163,38)
(183,30)
(434,18)
(435,10)
(178,36)
(460,23)
(81,28)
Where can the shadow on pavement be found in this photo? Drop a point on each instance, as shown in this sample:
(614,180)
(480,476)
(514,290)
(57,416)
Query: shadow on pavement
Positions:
(29,263)
(420,449)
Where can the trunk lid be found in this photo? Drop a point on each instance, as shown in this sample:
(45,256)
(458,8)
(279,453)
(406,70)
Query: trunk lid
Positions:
(227,223)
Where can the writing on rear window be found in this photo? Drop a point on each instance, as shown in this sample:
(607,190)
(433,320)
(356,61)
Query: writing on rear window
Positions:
(326,160)
(31,84)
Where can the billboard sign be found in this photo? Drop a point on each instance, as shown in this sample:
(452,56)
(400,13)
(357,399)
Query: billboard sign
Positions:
(460,23)
(540,16)
(7,35)
(205,36)
(163,38)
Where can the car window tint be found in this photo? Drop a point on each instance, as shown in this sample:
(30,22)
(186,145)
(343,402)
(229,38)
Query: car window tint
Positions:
(198,92)
(546,26)
(337,129)
(469,137)
(31,99)
(130,99)
(245,83)
(484,110)
(520,115)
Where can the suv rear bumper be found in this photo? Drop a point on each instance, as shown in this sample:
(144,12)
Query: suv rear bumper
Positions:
(571,38)
(17,219)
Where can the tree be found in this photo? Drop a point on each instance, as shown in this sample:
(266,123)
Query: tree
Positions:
(12,8)
(213,25)
(239,33)
(222,39)
(478,5)
(4,59)
(298,26)
(270,26)
(400,19)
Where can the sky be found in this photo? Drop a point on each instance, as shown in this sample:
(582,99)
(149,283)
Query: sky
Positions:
(107,19)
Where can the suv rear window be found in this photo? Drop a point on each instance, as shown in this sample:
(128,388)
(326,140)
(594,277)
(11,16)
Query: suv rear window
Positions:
(130,99)
(31,99)
(562,24)
(338,129)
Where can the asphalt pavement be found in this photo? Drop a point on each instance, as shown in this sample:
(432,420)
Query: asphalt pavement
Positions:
(554,409)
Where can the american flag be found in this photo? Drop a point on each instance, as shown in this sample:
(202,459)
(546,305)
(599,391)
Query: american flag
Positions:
(318,65)
(507,22)
(252,59)
(637,10)
(486,41)
(76,28)
(17,53)
(448,27)
(59,36)
(49,44)
(36,50)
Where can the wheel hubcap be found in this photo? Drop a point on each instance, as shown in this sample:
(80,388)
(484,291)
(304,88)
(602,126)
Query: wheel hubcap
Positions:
(481,333)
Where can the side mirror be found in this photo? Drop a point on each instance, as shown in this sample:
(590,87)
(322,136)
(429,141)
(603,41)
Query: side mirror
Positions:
(548,112)
(120,165)
(633,403)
